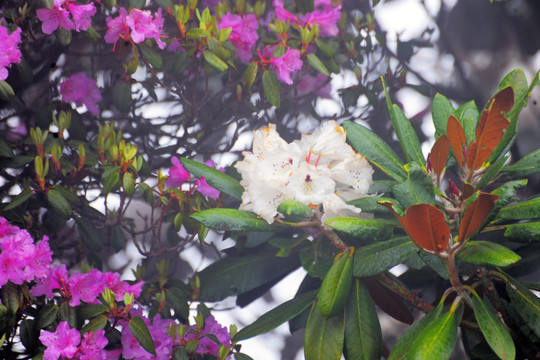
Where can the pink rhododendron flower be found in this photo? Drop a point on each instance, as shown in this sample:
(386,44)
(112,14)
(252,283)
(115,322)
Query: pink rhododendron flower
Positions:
(177,174)
(112,281)
(85,287)
(92,346)
(117,28)
(158,329)
(281,13)
(57,279)
(202,185)
(57,17)
(63,342)
(310,83)
(206,344)
(82,15)
(243,35)
(138,25)
(325,16)
(9,49)
(81,89)
(289,62)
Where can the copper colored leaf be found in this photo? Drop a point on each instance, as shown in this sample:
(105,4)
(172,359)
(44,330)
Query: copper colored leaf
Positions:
(456,136)
(476,214)
(439,155)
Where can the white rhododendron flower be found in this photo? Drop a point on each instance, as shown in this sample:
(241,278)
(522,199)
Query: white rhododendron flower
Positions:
(320,170)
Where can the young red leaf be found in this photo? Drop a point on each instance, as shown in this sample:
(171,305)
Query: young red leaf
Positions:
(475,215)
(425,225)
(456,137)
(439,156)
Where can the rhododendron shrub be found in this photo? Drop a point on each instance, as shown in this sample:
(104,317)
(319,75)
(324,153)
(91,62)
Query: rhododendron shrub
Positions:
(137,135)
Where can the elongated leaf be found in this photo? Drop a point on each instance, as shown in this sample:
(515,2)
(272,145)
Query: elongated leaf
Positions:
(91,310)
(438,339)
(363,229)
(457,139)
(363,338)
(370,204)
(487,253)
(46,316)
(526,303)
(5,149)
(439,156)
(528,165)
(59,203)
(317,64)
(475,215)
(214,177)
(235,275)
(494,330)
(110,179)
(523,232)
(95,324)
(492,171)
(271,88)
(381,256)
(277,316)
(417,189)
(234,220)
(140,331)
(19,199)
(250,74)
(441,109)
(401,348)
(214,61)
(90,236)
(468,115)
(293,207)
(525,210)
(324,337)
(336,285)
(151,56)
(6,91)
(375,150)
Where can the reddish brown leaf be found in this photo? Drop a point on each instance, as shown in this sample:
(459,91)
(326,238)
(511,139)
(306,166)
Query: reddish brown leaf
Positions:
(468,190)
(439,156)
(425,225)
(388,301)
(475,215)
(456,136)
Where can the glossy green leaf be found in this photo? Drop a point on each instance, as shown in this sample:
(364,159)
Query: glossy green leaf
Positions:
(363,338)
(435,263)
(293,207)
(91,310)
(248,78)
(19,199)
(151,56)
(528,165)
(375,150)
(487,253)
(336,285)
(370,204)
(5,149)
(214,61)
(468,116)
(271,88)
(417,189)
(241,356)
(363,229)
(526,304)
(318,257)
(6,91)
(140,331)
(517,79)
(438,339)
(506,193)
(492,171)
(401,348)
(523,232)
(95,324)
(381,256)
(46,316)
(441,109)
(324,337)
(90,236)
(29,334)
(525,210)
(235,275)
(234,220)
(121,96)
(214,177)
(325,48)
(277,316)
(495,332)
(110,178)
(59,203)
(317,64)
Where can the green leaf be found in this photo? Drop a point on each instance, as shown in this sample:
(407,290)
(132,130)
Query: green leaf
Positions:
(91,310)
(151,56)
(405,133)
(375,150)
(468,116)
(293,207)
(523,232)
(363,229)
(95,324)
(241,356)
(487,253)
(326,49)
(317,64)
(29,334)
(277,316)
(370,204)
(110,178)
(59,203)
(5,149)
(324,337)
(304,6)
(214,61)
(234,220)
(248,78)
(494,330)
(438,339)
(381,256)
(6,91)
(526,304)
(235,275)
(525,210)
(129,183)
(90,236)
(46,316)
(492,171)
(441,109)
(528,165)
(19,199)
(336,285)
(318,257)
(417,189)
(363,338)
(271,88)
(518,81)
(401,348)
(121,96)
(140,331)
(214,177)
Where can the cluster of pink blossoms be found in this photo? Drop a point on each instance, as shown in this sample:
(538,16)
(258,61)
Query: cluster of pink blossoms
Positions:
(325,16)
(207,345)
(59,16)
(83,287)
(283,66)
(178,176)
(64,343)
(81,90)
(20,259)
(243,35)
(138,26)
(9,49)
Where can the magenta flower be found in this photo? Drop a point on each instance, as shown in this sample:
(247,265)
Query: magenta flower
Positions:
(117,28)
(6,228)
(282,14)
(177,174)
(57,17)
(82,15)
(63,342)
(138,25)
(206,344)
(310,83)
(289,62)
(202,185)
(243,35)
(325,16)
(112,281)
(93,345)
(164,343)
(81,90)
(9,50)
(56,280)
(86,287)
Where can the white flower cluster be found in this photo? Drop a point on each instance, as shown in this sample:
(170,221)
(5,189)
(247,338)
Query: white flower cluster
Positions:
(320,169)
